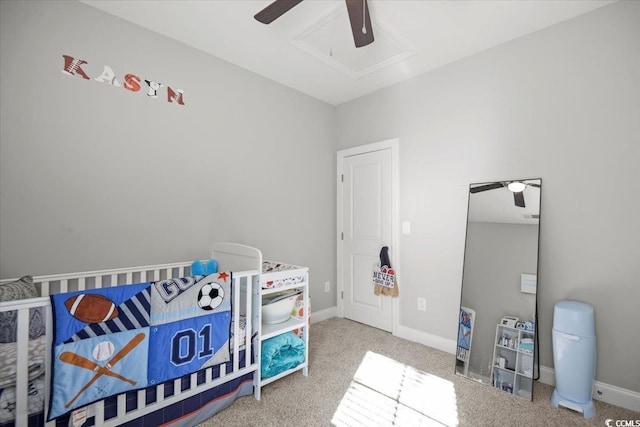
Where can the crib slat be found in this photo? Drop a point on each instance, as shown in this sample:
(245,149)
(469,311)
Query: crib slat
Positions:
(236,321)
(98,282)
(160,392)
(122,405)
(142,399)
(81,283)
(194,380)
(114,280)
(248,320)
(64,285)
(22,368)
(44,289)
(48,313)
(99,412)
(129,277)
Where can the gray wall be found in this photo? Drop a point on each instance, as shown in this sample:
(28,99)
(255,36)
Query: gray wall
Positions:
(561,104)
(495,257)
(95,176)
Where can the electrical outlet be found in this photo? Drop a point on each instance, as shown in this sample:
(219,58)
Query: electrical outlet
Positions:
(327,286)
(422,304)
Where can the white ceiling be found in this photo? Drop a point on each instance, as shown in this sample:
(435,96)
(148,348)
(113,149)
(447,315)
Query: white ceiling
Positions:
(310,48)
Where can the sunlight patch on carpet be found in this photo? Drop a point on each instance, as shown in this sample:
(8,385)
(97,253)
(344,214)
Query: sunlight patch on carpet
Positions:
(385,392)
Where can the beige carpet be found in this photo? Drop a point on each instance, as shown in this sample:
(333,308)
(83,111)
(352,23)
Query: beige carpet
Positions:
(398,383)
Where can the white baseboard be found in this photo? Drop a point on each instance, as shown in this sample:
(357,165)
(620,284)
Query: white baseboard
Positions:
(424,338)
(547,375)
(603,392)
(320,315)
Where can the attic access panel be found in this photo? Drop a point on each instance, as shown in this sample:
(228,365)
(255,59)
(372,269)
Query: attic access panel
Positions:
(330,40)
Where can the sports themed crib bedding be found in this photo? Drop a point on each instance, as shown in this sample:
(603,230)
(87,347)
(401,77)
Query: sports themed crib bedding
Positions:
(145,347)
(101,316)
(116,339)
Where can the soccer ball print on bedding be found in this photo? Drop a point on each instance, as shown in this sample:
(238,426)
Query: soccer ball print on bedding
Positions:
(210,296)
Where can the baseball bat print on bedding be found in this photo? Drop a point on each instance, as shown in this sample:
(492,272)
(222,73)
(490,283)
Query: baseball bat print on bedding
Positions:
(121,354)
(76,359)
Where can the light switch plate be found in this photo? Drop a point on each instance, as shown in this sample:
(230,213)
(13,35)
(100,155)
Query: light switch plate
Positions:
(406,227)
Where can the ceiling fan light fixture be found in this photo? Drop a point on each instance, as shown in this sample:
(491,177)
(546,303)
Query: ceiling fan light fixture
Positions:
(516,187)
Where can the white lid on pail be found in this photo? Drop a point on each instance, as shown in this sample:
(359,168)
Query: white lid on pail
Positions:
(575,318)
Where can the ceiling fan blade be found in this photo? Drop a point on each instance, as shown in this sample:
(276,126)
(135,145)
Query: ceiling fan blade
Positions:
(518,199)
(486,187)
(533,185)
(275,10)
(359,9)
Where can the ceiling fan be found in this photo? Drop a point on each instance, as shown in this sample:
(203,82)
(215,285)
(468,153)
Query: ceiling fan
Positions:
(358,16)
(516,187)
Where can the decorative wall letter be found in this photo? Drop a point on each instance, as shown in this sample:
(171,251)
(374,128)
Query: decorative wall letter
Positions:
(132,82)
(108,76)
(153,88)
(72,66)
(175,96)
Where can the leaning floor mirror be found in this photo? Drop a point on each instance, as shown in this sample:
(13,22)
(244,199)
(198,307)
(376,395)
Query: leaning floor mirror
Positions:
(496,325)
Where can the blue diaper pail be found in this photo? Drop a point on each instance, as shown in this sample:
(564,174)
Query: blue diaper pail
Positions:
(574,356)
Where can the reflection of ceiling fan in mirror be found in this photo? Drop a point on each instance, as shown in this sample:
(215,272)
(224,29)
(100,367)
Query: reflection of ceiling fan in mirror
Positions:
(516,187)
(358,16)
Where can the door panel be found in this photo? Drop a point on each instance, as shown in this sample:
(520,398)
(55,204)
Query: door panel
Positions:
(361,267)
(365,200)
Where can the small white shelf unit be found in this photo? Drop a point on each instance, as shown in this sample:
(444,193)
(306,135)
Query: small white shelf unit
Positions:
(293,323)
(237,257)
(512,368)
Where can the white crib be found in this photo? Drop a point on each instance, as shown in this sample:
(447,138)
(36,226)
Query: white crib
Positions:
(245,262)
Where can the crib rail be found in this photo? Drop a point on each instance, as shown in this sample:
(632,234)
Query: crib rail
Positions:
(246,281)
(68,282)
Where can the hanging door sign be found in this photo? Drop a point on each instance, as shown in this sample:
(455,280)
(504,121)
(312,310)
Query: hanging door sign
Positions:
(384,276)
